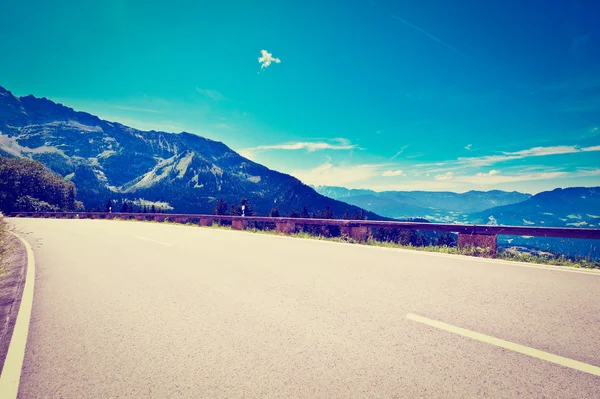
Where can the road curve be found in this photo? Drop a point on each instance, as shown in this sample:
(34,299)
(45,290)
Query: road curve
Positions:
(144,310)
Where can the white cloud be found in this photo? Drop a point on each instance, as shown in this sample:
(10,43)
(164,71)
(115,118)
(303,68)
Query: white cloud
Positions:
(391,173)
(212,94)
(340,144)
(532,152)
(330,175)
(266,59)
(468,147)
(445,176)
(490,173)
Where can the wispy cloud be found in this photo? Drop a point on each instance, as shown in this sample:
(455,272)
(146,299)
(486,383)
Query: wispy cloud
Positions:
(338,144)
(391,173)
(136,109)
(212,94)
(399,152)
(531,152)
(432,37)
(267,59)
(227,126)
(468,147)
(445,176)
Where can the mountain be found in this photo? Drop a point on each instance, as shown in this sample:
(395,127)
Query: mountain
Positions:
(109,160)
(435,206)
(562,207)
(568,207)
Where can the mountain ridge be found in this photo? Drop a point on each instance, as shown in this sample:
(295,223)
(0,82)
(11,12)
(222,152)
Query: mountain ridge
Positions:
(111,160)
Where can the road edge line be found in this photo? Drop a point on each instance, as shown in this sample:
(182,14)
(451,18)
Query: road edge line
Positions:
(11,372)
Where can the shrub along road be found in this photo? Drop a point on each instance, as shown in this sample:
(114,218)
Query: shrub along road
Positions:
(126,309)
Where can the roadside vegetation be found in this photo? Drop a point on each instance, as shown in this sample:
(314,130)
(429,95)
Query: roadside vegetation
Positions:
(444,245)
(27,185)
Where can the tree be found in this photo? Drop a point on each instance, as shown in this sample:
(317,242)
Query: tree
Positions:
(123,207)
(153,209)
(359,215)
(346,215)
(294,214)
(220,207)
(233,210)
(29,184)
(304,214)
(445,240)
(328,231)
(274,213)
(327,213)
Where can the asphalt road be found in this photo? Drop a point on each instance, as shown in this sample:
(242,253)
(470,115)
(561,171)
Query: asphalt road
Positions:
(143,310)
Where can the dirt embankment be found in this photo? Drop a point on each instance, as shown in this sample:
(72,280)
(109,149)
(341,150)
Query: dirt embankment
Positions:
(13,268)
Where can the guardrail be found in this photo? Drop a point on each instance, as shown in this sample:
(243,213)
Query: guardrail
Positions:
(484,236)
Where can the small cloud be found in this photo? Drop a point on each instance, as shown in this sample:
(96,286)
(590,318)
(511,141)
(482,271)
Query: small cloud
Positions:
(266,59)
(212,94)
(468,147)
(377,131)
(391,173)
(445,176)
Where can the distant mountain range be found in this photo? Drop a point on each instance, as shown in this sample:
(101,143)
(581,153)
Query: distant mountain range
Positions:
(436,206)
(570,207)
(109,160)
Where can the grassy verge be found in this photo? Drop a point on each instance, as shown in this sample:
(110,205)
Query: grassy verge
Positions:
(471,251)
(4,245)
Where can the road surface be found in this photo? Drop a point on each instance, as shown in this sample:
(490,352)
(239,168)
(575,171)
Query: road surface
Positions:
(144,310)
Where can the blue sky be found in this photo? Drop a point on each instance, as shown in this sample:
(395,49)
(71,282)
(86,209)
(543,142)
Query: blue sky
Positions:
(388,95)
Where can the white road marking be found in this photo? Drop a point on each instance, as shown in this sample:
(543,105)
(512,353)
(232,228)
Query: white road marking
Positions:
(11,373)
(525,350)
(151,240)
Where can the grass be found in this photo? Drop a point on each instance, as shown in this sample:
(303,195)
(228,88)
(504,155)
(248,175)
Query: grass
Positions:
(4,245)
(469,251)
